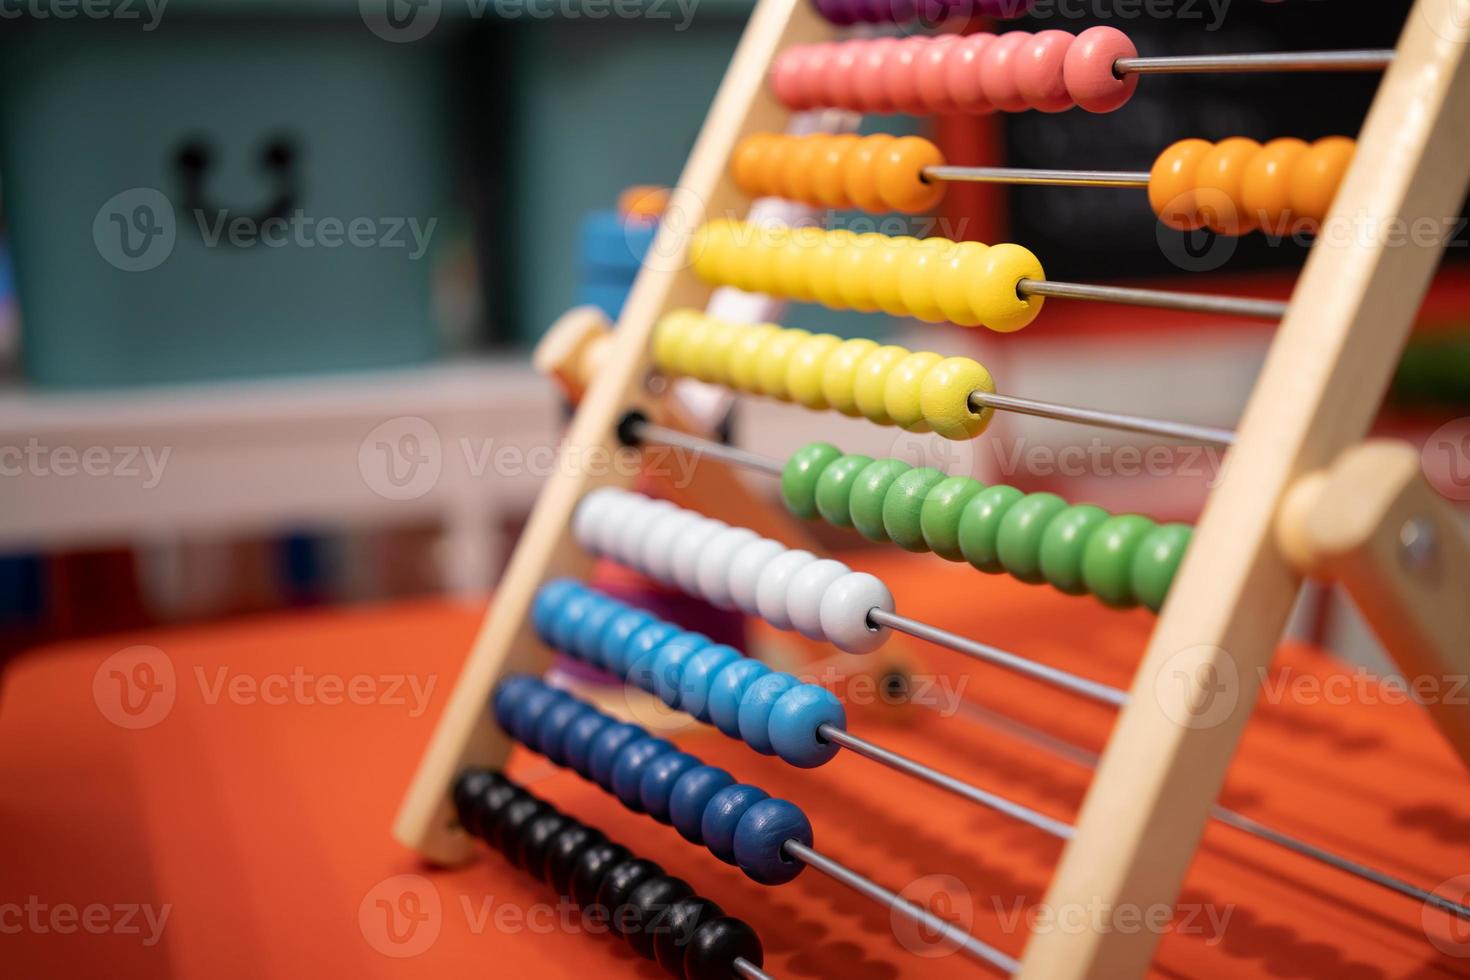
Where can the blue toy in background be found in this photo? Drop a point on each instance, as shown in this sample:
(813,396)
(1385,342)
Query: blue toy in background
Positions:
(610,250)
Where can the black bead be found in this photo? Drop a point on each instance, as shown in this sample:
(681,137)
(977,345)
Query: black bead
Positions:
(618,884)
(467,789)
(590,868)
(648,910)
(531,854)
(562,854)
(677,929)
(716,945)
(505,826)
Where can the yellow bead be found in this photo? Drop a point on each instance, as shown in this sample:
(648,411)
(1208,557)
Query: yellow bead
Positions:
(792,260)
(901,394)
(961,265)
(917,275)
(774,358)
(805,369)
(701,252)
(884,269)
(839,376)
(667,336)
(872,380)
(691,345)
(822,269)
(993,294)
(712,364)
(745,356)
(852,272)
(944,397)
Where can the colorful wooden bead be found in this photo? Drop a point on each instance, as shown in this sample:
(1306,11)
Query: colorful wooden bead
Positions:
(659,779)
(839,374)
(639,644)
(770,590)
(580,734)
(996,293)
(902,390)
(607,745)
(980,522)
(794,722)
(939,517)
(615,635)
(1109,557)
(805,368)
(1021,532)
(756,706)
(1063,543)
(699,674)
(944,397)
(1155,562)
(668,666)
(760,838)
(804,595)
(691,796)
(626,779)
(687,549)
(868,493)
(712,571)
(722,816)
(715,947)
(845,608)
(727,691)
(799,476)
(1087,69)
(903,506)
(834,488)
(745,571)
(550,736)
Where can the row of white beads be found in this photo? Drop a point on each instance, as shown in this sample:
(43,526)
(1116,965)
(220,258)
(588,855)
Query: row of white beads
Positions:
(734,568)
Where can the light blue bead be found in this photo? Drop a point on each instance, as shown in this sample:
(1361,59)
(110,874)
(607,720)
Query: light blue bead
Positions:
(722,816)
(659,779)
(573,611)
(606,745)
(691,796)
(794,722)
(617,633)
(549,600)
(762,831)
(698,676)
(577,744)
(639,645)
(726,691)
(756,706)
(667,667)
(628,769)
(584,640)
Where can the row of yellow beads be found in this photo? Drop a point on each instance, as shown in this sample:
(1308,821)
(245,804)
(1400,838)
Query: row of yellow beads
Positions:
(930,279)
(876,173)
(890,385)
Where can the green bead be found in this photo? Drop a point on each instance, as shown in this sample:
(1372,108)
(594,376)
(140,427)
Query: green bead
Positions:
(800,474)
(1155,562)
(1021,531)
(1063,544)
(834,489)
(1106,562)
(980,526)
(866,502)
(903,505)
(940,518)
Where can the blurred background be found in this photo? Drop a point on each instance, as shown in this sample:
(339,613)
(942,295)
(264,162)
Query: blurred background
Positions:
(205,412)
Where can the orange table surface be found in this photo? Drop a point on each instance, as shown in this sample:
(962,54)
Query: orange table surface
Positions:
(234,822)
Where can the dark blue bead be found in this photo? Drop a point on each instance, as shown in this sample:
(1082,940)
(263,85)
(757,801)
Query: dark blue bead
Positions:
(628,769)
(573,611)
(616,634)
(584,640)
(508,694)
(722,815)
(667,666)
(658,782)
(794,722)
(759,838)
(697,676)
(551,731)
(528,711)
(727,690)
(691,796)
(605,748)
(549,600)
(576,745)
(638,646)
(755,710)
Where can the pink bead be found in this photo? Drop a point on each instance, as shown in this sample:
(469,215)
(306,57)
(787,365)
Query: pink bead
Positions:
(871,76)
(998,71)
(962,73)
(899,67)
(786,80)
(929,75)
(1088,69)
(840,85)
(1039,71)
(813,73)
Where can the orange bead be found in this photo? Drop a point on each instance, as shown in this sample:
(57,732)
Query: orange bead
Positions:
(1217,186)
(772,166)
(1318,175)
(798,166)
(898,172)
(828,169)
(1171,184)
(859,173)
(1265,186)
(748,165)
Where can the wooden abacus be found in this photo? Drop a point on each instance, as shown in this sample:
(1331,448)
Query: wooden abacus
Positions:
(1301,493)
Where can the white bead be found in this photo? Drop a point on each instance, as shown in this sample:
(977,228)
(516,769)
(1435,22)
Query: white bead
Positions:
(657,554)
(688,549)
(618,511)
(587,518)
(844,613)
(804,595)
(770,590)
(631,535)
(745,571)
(712,571)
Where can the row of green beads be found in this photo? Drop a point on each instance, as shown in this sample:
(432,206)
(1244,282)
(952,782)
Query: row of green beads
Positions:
(1038,537)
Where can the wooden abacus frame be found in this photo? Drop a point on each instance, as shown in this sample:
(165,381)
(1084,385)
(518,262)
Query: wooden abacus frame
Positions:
(1328,369)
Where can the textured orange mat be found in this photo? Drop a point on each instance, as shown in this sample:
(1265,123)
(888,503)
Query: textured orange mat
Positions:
(217,804)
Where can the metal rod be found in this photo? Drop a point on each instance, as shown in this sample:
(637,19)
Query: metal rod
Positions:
(649,432)
(1359,60)
(1016,175)
(1259,309)
(749,970)
(934,777)
(1203,434)
(868,888)
(1080,756)
(1054,676)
